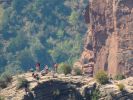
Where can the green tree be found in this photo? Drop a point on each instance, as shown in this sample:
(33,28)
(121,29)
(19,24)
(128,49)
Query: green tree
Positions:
(39,30)
(18,43)
(73,18)
(60,33)
(13,68)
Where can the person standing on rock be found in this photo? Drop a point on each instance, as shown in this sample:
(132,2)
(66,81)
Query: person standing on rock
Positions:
(55,67)
(38,67)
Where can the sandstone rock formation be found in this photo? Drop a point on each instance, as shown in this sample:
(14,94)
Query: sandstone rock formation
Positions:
(109,39)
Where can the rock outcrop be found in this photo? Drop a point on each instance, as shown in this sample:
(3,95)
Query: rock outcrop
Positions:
(67,87)
(109,40)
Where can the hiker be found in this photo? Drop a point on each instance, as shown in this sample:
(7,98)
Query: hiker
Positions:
(46,69)
(38,67)
(55,67)
(43,72)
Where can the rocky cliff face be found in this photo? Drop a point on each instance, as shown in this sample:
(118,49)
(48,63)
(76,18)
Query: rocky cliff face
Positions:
(109,42)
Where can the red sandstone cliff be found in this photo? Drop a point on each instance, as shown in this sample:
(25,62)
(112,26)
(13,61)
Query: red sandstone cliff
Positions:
(109,42)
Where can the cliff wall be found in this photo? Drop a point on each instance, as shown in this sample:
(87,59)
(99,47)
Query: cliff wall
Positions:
(109,40)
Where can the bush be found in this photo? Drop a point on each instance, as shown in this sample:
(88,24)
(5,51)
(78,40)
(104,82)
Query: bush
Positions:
(2,97)
(121,86)
(95,94)
(77,71)
(22,83)
(5,79)
(119,77)
(64,68)
(3,84)
(102,77)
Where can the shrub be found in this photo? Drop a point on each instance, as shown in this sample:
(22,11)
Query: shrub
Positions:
(95,94)
(64,68)
(121,86)
(119,77)
(3,84)
(5,79)
(102,77)
(77,71)
(2,97)
(22,82)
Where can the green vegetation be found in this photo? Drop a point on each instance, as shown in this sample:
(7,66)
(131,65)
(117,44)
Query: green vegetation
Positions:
(5,79)
(102,77)
(2,97)
(119,77)
(95,95)
(22,83)
(121,86)
(64,68)
(77,71)
(45,31)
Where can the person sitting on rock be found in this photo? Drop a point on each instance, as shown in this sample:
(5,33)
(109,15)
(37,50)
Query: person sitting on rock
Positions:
(43,72)
(46,69)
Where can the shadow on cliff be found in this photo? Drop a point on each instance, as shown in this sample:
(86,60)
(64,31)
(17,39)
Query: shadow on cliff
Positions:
(124,95)
(55,90)
(128,3)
